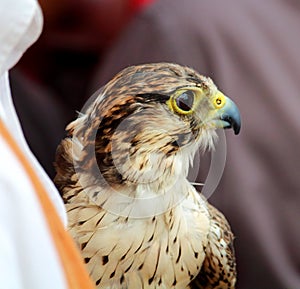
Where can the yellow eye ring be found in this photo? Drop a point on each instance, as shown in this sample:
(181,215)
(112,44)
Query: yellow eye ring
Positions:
(182,102)
(219,100)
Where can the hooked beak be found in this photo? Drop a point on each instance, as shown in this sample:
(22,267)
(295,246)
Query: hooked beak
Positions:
(229,115)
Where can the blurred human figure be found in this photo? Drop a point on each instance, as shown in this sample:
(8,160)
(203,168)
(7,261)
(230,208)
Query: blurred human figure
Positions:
(251,50)
(35,250)
(56,71)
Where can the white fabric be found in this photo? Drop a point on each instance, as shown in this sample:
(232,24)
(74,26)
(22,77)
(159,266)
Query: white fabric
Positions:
(9,116)
(28,258)
(21,24)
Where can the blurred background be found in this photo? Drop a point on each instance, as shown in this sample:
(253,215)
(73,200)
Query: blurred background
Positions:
(251,50)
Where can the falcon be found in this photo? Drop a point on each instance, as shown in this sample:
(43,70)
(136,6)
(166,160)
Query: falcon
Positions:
(122,171)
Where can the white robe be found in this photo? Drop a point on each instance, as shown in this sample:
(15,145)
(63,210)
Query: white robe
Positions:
(28,258)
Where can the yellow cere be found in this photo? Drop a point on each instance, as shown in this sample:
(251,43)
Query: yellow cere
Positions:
(219,100)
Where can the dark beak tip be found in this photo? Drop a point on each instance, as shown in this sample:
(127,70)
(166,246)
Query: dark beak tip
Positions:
(233,123)
(236,129)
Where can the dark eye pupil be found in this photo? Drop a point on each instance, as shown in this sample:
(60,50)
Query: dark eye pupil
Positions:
(185,100)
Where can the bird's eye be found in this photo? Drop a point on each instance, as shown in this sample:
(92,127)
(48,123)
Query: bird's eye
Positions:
(184,101)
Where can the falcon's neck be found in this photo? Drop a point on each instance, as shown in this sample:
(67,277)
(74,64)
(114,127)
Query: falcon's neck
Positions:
(151,185)
(142,200)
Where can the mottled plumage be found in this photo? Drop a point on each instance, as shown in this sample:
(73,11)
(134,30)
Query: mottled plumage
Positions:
(122,171)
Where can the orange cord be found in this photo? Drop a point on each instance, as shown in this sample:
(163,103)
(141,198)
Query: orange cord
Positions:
(73,266)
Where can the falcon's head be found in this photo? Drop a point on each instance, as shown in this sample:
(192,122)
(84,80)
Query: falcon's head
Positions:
(147,123)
